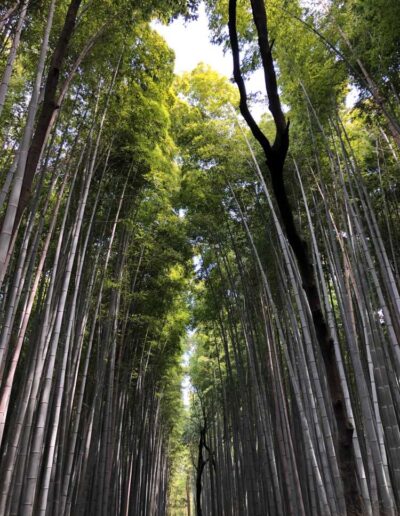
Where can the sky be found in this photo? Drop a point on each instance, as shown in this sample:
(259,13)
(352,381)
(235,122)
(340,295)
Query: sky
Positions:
(191,44)
(190,41)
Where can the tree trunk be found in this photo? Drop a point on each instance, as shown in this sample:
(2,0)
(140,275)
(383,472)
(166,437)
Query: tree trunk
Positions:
(275,159)
(48,108)
(8,224)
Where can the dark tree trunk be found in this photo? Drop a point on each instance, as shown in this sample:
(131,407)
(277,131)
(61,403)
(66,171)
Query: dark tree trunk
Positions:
(200,467)
(275,159)
(48,108)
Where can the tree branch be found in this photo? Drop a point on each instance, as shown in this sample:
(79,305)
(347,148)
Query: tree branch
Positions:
(275,154)
(257,133)
(260,21)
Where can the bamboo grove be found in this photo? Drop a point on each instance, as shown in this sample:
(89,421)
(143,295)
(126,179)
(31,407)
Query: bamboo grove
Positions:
(147,220)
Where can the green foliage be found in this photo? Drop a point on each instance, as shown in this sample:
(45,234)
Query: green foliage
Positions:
(174,165)
(372,29)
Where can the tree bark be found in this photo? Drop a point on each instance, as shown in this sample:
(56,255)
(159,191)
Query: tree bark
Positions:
(48,108)
(275,159)
(8,225)
(199,470)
